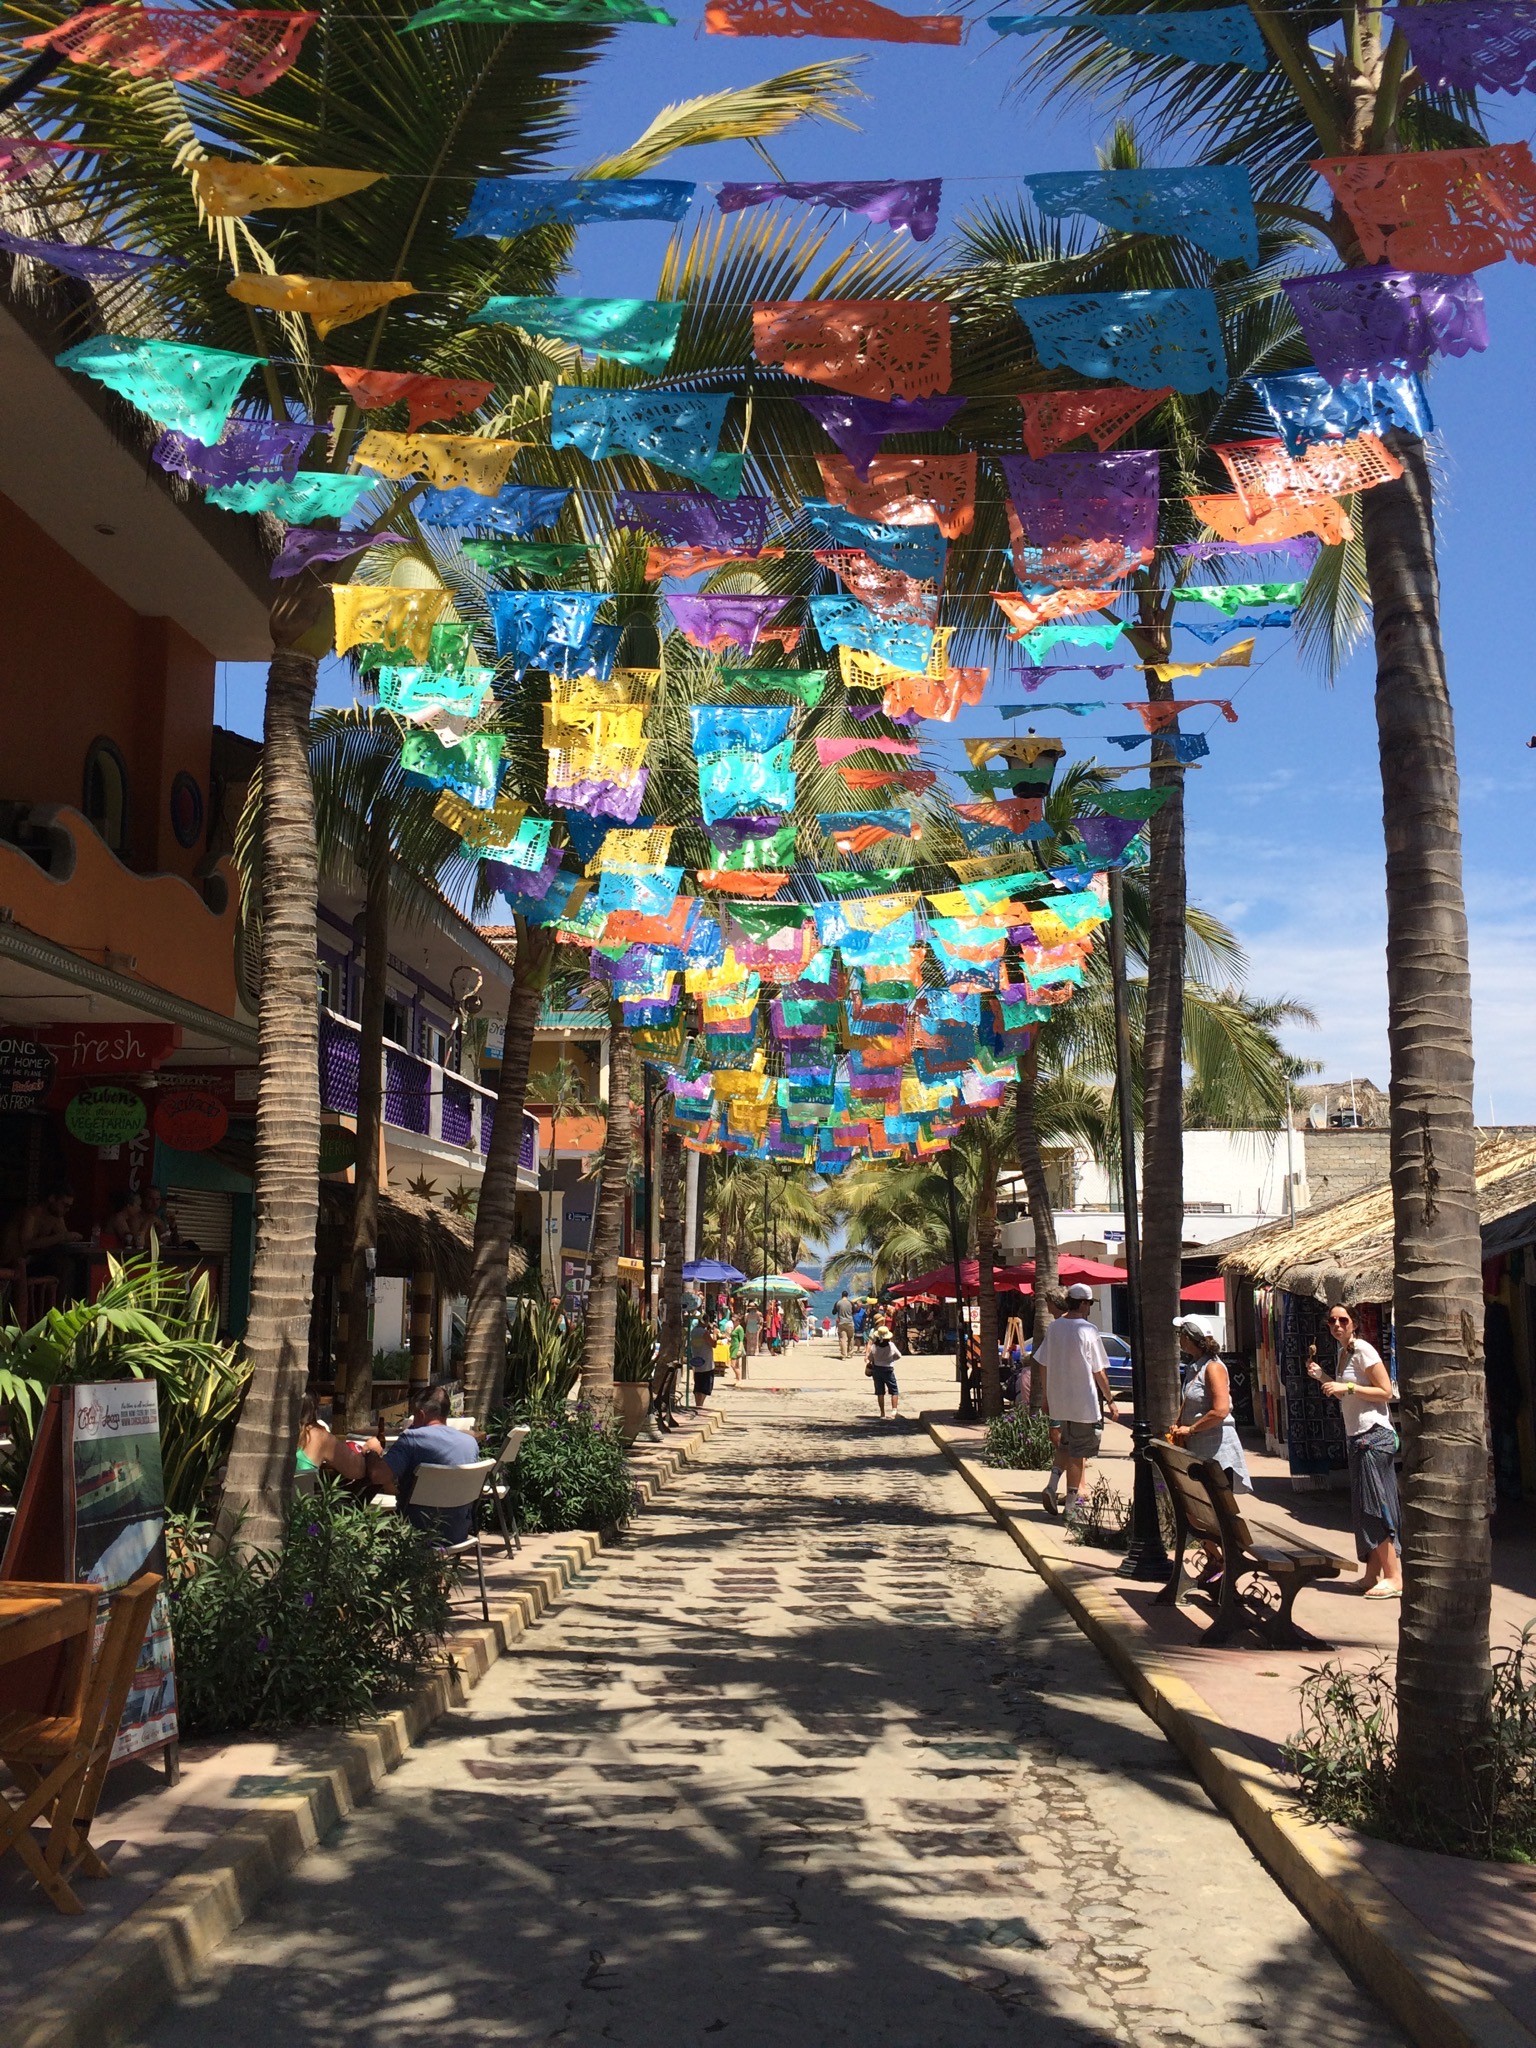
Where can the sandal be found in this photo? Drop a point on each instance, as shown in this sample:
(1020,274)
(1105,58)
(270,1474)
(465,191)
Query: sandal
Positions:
(1384,1593)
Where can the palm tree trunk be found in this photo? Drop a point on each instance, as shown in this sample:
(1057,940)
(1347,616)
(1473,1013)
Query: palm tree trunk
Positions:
(1443,1655)
(259,1482)
(485,1333)
(1042,1215)
(357,1363)
(1162,1210)
(672,1220)
(986,1280)
(607,1233)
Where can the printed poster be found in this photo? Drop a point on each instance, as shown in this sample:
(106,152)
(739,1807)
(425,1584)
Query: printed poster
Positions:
(117,1513)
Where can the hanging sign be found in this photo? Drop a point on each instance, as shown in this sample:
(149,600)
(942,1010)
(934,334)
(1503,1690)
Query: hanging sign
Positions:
(338,1148)
(26,1072)
(105,1116)
(190,1119)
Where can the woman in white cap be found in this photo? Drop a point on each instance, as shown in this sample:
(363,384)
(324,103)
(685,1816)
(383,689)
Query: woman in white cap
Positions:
(1205,1427)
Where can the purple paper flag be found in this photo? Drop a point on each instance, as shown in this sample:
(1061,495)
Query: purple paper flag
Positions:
(1303,548)
(619,800)
(87,259)
(733,832)
(306,544)
(911,203)
(860,425)
(530,882)
(1376,321)
(1473,45)
(1104,840)
(1086,497)
(245,451)
(879,711)
(691,519)
(723,621)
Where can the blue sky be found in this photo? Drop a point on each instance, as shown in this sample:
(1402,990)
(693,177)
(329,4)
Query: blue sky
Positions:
(1285,827)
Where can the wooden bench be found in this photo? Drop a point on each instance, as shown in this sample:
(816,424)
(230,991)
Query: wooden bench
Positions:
(1204,1506)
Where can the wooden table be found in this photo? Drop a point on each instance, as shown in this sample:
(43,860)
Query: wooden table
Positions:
(36,1616)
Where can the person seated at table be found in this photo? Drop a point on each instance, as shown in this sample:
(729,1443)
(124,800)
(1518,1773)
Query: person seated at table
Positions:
(321,1450)
(427,1440)
(39,1234)
(135,1219)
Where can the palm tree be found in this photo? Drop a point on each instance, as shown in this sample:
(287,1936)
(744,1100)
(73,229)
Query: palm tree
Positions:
(608,1227)
(459,102)
(753,1204)
(1362,97)
(1005,253)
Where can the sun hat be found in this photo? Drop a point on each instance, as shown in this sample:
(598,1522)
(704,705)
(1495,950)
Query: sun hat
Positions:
(1199,1327)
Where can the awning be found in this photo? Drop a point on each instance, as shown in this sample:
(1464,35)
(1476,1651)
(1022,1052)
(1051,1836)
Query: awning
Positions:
(1204,1291)
(940,1283)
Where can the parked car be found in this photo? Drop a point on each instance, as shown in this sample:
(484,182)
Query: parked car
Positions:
(1119,1366)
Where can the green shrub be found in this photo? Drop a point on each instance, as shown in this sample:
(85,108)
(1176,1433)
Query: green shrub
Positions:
(571,1474)
(1345,1757)
(634,1347)
(1019,1441)
(543,1360)
(352,1608)
(149,1322)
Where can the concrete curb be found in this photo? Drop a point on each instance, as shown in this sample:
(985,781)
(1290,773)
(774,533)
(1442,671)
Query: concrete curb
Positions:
(157,1950)
(1432,1994)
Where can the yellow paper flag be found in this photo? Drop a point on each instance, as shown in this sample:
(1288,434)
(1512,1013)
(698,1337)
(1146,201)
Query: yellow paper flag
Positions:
(228,189)
(445,460)
(400,621)
(329,301)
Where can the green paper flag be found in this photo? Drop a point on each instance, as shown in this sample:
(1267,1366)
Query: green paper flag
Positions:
(1233,597)
(641,332)
(1128,803)
(532,557)
(808,684)
(540,10)
(774,850)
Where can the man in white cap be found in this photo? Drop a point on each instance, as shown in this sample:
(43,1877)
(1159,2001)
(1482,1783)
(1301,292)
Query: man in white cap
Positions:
(1077,1394)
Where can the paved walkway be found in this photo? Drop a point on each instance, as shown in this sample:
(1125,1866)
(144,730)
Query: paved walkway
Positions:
(815,1759)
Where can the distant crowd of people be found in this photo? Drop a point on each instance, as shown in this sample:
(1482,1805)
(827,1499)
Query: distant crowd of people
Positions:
(725,1334)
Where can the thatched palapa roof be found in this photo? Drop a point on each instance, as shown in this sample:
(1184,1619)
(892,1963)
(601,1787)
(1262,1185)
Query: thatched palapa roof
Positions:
(1342,1251)
(415,1236)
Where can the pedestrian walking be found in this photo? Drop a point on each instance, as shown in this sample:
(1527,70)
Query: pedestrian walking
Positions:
(1077,1394)
(754,1326)
(738,1349)
(1363,1389)
(843,1317)
(880,1356)
(701,1358)
(722,1344)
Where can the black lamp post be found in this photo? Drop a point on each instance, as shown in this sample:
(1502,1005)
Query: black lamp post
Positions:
(1145,1557)
(649,1181)
(966,1410)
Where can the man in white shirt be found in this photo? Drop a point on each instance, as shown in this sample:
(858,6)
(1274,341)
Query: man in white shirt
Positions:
(1076,1394)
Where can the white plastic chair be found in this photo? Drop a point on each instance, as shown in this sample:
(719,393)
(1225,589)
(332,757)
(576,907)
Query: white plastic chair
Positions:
(501,1487)
(442,1487)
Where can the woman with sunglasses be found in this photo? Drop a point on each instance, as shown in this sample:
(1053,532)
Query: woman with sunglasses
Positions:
(1364,1392)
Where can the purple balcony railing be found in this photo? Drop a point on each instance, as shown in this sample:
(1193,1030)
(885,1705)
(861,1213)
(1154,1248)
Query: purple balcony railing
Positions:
(407,1092)
(339,1045)
(458,1121)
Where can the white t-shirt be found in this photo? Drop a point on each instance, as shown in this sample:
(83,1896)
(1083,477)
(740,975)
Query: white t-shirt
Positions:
(1072,1351)
(1370,1410)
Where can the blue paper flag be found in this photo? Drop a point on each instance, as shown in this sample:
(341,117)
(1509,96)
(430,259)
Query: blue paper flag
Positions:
(754,728)
(1307,409)
(1148,339)
(917,551)
(517,510)
(678,430)
(510,206)
(1258,622)
(1210,205)
(844,622)
(733,783)
(1217,35)
(1187,746)
(542,628)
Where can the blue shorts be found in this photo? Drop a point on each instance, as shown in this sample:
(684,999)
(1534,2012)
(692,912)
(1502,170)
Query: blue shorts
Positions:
(884,1377)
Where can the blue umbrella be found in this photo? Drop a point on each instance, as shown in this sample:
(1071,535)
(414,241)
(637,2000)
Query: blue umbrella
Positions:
(711,1269)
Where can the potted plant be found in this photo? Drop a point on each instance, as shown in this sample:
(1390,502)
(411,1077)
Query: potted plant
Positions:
(634,1361)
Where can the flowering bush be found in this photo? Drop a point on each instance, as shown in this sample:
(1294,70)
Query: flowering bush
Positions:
(571,1474)
(351,1608)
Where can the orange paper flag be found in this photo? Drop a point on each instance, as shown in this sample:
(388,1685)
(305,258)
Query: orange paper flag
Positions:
(1265,474)
(1230,519)
(1025,613)
(1054,419)
(861,20)
(876,348)
(906,490)
(426,398)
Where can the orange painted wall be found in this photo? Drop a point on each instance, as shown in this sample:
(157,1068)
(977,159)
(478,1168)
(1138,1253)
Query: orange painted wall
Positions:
(153,927)
(77,663)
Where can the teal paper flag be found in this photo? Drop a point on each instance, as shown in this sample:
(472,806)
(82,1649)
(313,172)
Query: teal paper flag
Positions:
(188,389)
(312,494)
(641,332)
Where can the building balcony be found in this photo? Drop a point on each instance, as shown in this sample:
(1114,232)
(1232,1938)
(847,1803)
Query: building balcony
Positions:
(426,1107)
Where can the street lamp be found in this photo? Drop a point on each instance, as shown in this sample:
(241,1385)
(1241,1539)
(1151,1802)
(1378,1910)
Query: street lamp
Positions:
(1145,1557)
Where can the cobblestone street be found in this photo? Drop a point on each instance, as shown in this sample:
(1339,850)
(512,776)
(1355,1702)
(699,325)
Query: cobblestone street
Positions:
(812,1758)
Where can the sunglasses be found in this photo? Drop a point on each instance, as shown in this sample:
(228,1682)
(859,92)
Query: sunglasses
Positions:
(1339,1319)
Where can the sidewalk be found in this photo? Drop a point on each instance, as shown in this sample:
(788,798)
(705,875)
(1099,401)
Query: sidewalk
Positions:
(1449,1945)
(189,1862)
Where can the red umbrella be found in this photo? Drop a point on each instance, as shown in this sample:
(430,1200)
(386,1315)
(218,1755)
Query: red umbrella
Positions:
(1006,1279)
(1212,1291)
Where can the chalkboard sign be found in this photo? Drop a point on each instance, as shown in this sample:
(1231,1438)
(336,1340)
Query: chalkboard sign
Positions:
(26,1072)
(105,1115)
